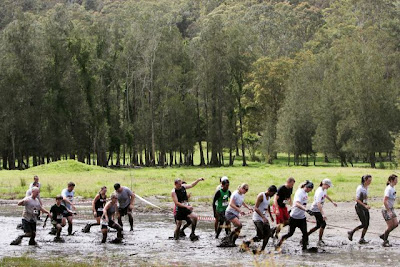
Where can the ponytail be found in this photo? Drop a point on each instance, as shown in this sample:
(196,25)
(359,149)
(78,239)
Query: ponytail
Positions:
(391,179)
(102,188)
(242,185)
(307,184)
(364,178)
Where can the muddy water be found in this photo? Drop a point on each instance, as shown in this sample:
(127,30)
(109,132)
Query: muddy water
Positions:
(149,244)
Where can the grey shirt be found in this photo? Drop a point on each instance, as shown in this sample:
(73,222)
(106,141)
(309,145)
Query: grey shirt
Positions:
(31,210)
(124,198)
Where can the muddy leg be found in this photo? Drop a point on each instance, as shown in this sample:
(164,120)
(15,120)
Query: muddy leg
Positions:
(104,232)
(130,217)
(69,219)
(266,235)
(235,234)
(177,229)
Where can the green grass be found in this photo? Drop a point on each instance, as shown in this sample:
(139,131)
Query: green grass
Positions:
(159,181)
(27,261)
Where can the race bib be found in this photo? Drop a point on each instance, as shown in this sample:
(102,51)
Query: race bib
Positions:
(104,222)
(285,201)
(224,204)
(59,216)
(365,201)
(35,211)
(100,209)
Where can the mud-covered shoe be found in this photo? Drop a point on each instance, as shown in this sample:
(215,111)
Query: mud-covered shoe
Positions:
(245,246)
(32,243)
(116,241)
(16,241)
(278,248)
(350,235)
(53,231)
(273,230)
(194,237)
(226,242)
(182,233)
(131,230)
(386,244)
(256,239)
(20,227)
(362,241)
(321,243)
(382,236)
(58,239)
(86,229)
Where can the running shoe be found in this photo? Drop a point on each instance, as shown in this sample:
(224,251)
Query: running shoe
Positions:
(362,241)
(382,236)
(16,241)
(182,233)
(32,243)
(350,235)
(86,229)
(116,241)
(256,239)
(321,243)
(53,231)
(59,239)
(386,244)
(194,237)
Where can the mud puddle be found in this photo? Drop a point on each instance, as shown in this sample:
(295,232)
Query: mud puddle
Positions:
(149,244)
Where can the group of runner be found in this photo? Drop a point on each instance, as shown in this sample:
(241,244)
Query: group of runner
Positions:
(226,207)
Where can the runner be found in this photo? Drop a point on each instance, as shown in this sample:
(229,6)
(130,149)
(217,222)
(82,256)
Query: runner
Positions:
(35,179)
(220,203)
(188,220)
(233,211)
(388,209)
(57,219)
(183,208)
(108,219)
(126,202)
(260,217)
(316,208)
(362,208)
(29,193)
(283,197)
(98,204)
(29,217)
(68,201)
(297,214)
(221,179)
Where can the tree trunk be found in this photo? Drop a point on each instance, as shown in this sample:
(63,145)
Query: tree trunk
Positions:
(241,132)
(372,159)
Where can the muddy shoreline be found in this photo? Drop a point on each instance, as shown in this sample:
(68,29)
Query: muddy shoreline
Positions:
(149,243)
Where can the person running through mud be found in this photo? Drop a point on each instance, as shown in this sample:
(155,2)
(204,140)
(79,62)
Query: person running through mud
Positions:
(188,220)
(283,197)
(29,217)
(126,202)
(221,179)
(297,214)
(260,216)
(57,219)
(35,180)
(220,204)
(317,209)
(108,219)
(183,208)
(29,193)
(68,201)
(98,204)
(362,208)
(388,209)
(233,211)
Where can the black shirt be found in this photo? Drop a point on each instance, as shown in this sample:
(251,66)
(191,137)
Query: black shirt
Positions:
(181,194)
(283,193)
(57,210)
(100,203)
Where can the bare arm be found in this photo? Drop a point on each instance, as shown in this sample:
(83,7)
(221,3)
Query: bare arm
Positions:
(386,204)
(176,202)
(300,206)
(132,199)
(256,207)
(44,210)
(105,211)
(328,198)
(21,202)
(187,186)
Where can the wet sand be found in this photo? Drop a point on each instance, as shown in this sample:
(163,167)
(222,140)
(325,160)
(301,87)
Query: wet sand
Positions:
(149,243)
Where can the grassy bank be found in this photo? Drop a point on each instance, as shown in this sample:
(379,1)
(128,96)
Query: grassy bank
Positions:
(28,261)
(159,181)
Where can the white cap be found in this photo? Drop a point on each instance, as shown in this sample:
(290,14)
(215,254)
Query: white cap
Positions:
(224,178)
(327,182)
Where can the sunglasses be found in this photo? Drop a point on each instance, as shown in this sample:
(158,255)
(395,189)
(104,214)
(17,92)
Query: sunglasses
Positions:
(245,189)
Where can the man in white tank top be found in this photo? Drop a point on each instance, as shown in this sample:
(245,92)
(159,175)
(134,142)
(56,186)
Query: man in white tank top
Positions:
(260,217)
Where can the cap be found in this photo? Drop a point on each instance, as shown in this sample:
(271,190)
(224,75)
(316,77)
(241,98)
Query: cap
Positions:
(224,178)
(327,182)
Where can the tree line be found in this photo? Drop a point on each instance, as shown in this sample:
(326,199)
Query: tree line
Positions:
(152,82)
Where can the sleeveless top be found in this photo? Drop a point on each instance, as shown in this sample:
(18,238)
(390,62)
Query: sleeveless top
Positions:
(223,200)
(181,195)
(262,207)
(100,203)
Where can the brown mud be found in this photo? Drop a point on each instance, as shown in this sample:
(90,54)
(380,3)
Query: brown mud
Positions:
(149,243)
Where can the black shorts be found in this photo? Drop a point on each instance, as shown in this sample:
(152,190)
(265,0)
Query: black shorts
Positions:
(29,227)
(110,224)
(124,211)
(363,215)
(57,221)
(320,220)
(99,214)
(221,217)
(67,214)
(182,214)
(263,229)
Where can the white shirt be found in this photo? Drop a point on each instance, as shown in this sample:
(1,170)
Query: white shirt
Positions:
(69,196)
(362,194)
(390,192)
(238,200)
(302,197)
(319,197)
(263,207)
